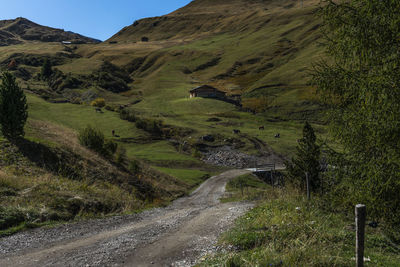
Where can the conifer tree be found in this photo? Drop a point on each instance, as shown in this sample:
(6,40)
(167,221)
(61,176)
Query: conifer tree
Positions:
(306,160)
(13,108)
(361,83)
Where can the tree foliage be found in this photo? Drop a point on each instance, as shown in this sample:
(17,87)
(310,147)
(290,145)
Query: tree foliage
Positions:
(362,85)
(94,139)
(13,107)
(306,160)
(46,70)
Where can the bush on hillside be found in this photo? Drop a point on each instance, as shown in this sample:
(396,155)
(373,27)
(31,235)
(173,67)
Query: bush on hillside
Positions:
(94,140)
(134,167)
(127,116)
(98,102)
(46,70)
(120,156)
(153,127)
(112,78)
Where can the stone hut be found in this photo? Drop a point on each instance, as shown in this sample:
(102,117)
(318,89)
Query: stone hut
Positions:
(207,91)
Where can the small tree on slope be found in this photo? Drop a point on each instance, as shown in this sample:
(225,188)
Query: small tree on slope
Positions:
(13,108)
(306,160)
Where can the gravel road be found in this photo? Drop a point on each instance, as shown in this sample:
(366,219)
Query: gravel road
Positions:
(178,235)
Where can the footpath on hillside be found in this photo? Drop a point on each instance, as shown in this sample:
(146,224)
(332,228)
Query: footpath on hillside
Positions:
(177,235)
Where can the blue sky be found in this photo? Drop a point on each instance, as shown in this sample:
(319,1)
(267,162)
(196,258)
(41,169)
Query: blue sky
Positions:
(94,18)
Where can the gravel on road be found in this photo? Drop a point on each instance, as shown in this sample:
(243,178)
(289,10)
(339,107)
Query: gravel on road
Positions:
(178,235)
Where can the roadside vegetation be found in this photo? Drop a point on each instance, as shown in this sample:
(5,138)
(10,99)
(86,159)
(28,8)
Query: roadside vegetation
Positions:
(246,187)
(360,86)
(287,230)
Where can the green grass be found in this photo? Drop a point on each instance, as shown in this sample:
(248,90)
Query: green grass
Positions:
(159,152)
(286,230)
(245,187)
(191,177)
(78,117)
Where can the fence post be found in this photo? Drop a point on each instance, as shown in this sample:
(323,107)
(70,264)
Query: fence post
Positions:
(360,213)
(308,187)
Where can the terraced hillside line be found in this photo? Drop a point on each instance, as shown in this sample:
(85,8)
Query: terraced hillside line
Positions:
(177,235)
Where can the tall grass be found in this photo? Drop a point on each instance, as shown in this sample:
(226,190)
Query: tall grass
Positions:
(286,230)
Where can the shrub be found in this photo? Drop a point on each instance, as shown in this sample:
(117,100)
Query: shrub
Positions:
(92,139)
(46,70)
(151,126)
(120,157)
(134,167)
(110,147)
(112,78)
(109,108)
(98,102)
(10,217)
(127,116)
(196,153)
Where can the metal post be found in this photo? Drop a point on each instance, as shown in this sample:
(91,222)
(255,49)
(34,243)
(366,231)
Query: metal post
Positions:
(360,213)
(308,186)
(272,178)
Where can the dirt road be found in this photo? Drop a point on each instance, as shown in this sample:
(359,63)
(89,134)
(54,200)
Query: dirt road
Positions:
(174,236)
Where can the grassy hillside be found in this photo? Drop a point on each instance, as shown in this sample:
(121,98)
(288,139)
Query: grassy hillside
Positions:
(260,50)
(49,177)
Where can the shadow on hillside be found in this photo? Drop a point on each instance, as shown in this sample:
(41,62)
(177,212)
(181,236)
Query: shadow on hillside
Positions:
(68,164)
(51,159)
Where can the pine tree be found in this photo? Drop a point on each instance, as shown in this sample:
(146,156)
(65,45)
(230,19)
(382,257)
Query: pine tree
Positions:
(306,160)
(13,108)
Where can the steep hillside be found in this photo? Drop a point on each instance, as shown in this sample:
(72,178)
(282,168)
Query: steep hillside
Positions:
(205,17)
(261,50)
(20,30)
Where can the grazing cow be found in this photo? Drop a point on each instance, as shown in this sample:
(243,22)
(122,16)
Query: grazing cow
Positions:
(261,128)
(99,110)
(113,133)
(236,131)
(278,135)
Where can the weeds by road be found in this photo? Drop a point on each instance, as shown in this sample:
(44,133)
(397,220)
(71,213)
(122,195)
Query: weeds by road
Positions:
(286,230)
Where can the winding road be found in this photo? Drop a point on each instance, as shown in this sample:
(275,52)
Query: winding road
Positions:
(178,235)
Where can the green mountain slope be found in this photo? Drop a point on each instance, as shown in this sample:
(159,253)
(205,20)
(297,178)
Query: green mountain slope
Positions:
(260,50)
(252,48)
